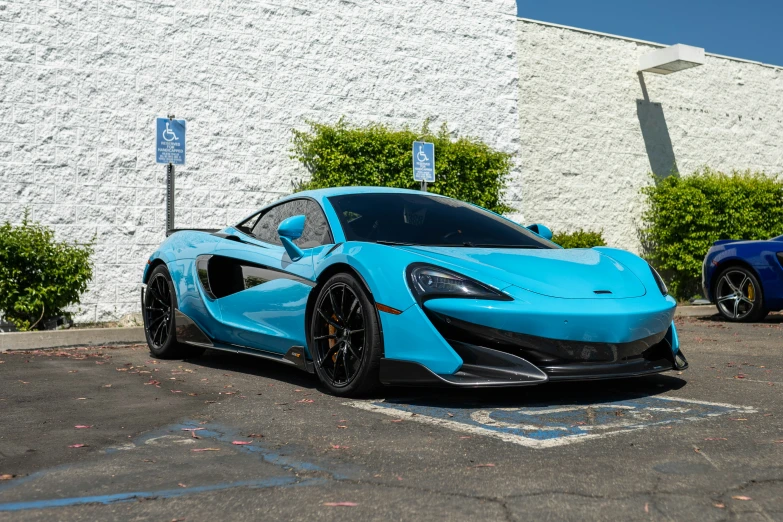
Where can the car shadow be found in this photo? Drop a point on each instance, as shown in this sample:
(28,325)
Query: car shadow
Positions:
(549,394)
(256,366)
(772,318)
(582,393)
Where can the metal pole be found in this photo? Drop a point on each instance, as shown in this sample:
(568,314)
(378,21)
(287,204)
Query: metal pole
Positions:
(170,195)
(424,186)
(169,198)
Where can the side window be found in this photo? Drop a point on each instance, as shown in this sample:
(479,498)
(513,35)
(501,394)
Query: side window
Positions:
(316,231)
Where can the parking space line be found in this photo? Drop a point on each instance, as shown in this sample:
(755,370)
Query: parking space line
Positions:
(547,426)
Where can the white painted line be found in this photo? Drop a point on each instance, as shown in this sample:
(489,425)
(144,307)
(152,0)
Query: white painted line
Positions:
(466,428)
(748,409)
(635,420)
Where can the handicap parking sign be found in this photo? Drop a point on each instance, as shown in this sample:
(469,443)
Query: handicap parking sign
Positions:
(423,161)
(170,141)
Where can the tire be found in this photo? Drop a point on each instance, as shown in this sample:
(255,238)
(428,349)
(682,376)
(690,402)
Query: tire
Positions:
(158,307)
(739,296)
(345,337)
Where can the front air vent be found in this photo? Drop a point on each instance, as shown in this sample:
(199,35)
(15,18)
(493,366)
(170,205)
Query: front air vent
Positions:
(602,292)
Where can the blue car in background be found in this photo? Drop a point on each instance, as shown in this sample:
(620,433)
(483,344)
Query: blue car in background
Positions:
(744,278)
(370,286)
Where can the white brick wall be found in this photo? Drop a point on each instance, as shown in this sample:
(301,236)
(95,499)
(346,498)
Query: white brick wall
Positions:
(81,82)
(589,138)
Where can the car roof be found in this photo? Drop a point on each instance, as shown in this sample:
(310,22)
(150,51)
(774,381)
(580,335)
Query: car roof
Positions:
(342,191)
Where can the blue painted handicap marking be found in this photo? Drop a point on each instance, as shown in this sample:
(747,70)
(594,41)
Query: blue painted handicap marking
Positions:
(546,426)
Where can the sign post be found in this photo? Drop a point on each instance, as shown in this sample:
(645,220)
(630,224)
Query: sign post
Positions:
(170,151)
(424,163)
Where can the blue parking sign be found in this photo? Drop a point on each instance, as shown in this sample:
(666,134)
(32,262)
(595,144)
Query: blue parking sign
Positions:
(170,141)
(423,161)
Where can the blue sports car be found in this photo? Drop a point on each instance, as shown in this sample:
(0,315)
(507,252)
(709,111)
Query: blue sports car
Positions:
(369,286)
(744,278)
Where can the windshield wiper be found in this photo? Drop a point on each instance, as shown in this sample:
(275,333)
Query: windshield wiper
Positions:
(489,245)
(395,243)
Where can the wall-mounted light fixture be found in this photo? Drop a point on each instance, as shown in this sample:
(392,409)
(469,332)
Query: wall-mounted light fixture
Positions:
(671,59)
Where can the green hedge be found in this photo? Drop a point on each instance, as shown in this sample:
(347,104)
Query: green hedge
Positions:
(39,276)
(342,155)
(579,239)
(685,215)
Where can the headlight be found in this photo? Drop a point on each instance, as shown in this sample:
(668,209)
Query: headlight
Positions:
(428,281)
(659,280)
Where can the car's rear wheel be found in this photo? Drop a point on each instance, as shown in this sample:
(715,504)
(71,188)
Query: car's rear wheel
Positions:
(345,339)
(738,295)
(159,304)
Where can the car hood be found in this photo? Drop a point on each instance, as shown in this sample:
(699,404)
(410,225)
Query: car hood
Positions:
(565,273)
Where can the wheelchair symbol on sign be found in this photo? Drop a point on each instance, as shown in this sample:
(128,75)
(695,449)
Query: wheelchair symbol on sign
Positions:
(421,155)
(168,134)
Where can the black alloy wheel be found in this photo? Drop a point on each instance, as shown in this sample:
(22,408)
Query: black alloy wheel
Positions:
(738,295)
(344,337)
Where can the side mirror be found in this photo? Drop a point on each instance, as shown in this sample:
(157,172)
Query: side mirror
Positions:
(289,230)
(541,230)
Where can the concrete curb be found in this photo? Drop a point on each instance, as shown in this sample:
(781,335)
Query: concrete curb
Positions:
(695,311)
(73,337)
(135,335)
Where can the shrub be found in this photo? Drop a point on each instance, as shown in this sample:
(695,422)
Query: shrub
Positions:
(686,215)
(38,275)
(579,239)
(340,155)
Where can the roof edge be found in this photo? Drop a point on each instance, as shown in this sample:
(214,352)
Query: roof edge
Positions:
(637,40)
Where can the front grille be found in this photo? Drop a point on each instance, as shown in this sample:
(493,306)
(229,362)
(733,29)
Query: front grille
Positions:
(544,352)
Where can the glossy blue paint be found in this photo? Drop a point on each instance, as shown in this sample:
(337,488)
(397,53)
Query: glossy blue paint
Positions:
(589,320)
(541,230)
(554,291)
(292,227)
(761,256)
(289,230)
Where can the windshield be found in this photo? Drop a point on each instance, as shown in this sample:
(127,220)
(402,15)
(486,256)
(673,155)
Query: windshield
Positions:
(413,219)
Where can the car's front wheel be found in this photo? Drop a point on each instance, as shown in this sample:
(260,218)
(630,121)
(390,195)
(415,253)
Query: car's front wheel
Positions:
(738,295)
(345,338)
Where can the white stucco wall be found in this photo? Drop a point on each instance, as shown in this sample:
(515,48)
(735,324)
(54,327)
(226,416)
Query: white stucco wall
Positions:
(589,136)
(81,82)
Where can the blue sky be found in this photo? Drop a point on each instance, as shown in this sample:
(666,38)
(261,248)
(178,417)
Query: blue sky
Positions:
(750,29)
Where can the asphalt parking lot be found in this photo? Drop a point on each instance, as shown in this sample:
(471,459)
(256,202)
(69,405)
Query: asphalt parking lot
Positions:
(111,434)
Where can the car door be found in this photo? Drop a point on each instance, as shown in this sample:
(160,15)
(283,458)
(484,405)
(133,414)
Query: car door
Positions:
(263,291)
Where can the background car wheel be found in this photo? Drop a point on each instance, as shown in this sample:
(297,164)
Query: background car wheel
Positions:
(159,304)
(738,295)
(345,339)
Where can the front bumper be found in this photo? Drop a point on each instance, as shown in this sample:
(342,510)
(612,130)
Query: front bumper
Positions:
(492,357)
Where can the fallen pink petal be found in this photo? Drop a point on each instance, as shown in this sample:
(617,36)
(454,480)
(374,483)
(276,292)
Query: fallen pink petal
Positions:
(341,504)
(241,442)
(82,426)
(78,446)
